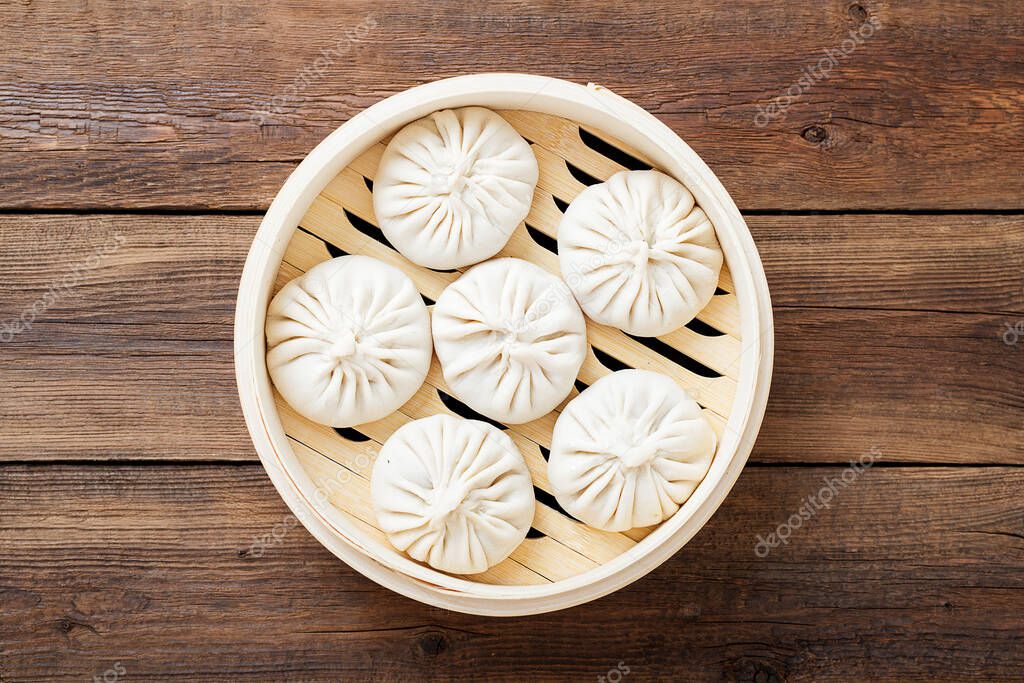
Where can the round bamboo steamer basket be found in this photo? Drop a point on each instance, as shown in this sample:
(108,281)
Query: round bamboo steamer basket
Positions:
(580,135)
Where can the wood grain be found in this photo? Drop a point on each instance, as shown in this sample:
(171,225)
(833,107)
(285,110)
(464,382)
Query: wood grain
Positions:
(134,357)
(199,571)
(135,360)
(210,105)
(163,550)
(954,263)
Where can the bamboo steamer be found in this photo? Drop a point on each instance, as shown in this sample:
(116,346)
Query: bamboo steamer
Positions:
(580,135)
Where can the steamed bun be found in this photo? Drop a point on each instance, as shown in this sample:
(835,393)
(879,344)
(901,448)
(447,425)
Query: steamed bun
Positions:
(453,493)
(451,187)
(348,342)
(510,339)
(629,450)
(638,253)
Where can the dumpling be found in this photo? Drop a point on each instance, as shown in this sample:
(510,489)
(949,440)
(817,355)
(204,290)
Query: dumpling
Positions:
(510,339)
(638,253)
(349,341)
(453,493)
(451,187)
(629,450)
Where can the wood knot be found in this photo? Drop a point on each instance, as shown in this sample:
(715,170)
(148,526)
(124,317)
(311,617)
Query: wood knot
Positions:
(433,643)
(858,13)
(66,625)
(755,672)
(815,134)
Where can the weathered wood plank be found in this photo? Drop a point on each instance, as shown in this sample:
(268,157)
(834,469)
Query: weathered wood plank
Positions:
(186,268)
(918,386)
(150,105)
(133,358)
(125,342)
(966,263)
(911,574)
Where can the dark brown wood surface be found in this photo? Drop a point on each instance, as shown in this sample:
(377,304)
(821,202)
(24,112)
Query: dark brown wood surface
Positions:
(140,538)
(158,104)
(198,571)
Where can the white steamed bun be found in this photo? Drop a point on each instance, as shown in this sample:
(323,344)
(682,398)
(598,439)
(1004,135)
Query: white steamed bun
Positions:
(629,450)
(510,339)
(453,493)
(451,187)
(638,253)
(348,342)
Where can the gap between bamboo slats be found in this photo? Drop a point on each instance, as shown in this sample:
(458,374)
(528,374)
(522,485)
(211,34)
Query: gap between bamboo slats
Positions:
(568,547)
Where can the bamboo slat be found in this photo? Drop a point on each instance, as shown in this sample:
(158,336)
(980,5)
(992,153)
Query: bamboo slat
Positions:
(341,220)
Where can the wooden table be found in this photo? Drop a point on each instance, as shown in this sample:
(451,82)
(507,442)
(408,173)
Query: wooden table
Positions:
(139,145)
